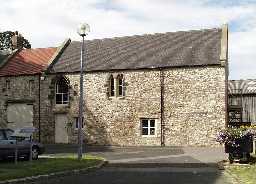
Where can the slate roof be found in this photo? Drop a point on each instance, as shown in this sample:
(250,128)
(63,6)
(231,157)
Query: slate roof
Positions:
(3,55)
(242,86)
(172,49)
(2,58)
(27,61)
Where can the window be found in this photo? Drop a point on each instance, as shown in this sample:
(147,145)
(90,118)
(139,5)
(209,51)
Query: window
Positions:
(9,133)
(2,137)
(148,127)
(77,121)
(62,91)
(112,86)
(8,85)
(116,85)
(120,85)
(31,87)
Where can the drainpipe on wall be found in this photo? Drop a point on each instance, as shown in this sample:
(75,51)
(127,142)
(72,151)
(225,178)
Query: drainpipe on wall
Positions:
(162,107)
(39,108)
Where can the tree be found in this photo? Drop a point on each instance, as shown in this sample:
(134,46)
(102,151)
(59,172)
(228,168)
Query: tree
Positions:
(6,41)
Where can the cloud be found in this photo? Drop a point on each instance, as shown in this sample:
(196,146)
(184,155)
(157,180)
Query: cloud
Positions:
(48,22)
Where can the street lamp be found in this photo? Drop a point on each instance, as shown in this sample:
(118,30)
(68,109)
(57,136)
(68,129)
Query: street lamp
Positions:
(83,30)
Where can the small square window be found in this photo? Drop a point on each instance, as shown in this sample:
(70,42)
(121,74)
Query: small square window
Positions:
(148,127)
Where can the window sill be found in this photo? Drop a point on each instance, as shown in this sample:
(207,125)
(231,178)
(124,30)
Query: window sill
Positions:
(61,105)
(148,136)
(116,97)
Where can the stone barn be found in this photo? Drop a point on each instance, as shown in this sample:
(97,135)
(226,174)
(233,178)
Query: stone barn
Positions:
(154,89)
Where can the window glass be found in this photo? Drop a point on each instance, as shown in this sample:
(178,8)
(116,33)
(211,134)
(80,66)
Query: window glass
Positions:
(9,133)
(58,98)
(65,98)
(77,122)
(144,123)
(112,86)
(152,123)
(144,131)
(2,135)
(120,86)
(152,131)
(62,91)
(116,85)
(62,85)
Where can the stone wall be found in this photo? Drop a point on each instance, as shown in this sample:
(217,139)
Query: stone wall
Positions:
(193,104)
(18,92)
(116,120)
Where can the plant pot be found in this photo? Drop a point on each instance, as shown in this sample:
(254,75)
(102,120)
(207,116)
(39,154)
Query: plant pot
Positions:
(241,150)
(244,145)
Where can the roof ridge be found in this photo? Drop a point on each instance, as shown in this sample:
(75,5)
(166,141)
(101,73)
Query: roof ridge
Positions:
(152,34)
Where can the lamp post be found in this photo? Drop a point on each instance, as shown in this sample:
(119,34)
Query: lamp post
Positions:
(82,30)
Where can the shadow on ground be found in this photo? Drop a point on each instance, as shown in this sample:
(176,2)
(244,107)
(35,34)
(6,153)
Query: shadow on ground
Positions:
(145,175)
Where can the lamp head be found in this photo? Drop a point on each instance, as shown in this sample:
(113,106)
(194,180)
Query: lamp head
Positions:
(83,29)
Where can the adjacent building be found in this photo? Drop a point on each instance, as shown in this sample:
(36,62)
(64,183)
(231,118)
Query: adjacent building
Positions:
(242,101)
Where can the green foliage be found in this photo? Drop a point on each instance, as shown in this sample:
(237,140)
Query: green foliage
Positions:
(6,41)
(232,134)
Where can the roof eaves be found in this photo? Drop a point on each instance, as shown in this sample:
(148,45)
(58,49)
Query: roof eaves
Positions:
(136,69)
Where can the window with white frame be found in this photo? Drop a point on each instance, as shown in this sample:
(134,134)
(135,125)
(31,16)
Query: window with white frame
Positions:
(116,85)
(77,122)
(148,127)
(62,91)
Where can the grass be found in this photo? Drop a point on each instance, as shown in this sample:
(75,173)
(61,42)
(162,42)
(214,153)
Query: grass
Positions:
(8,170)
(245,173)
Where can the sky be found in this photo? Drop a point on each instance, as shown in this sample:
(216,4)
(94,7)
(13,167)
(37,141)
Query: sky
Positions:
(47,23)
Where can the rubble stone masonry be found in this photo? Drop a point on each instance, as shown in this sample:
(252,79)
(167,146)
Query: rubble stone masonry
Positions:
(193,106)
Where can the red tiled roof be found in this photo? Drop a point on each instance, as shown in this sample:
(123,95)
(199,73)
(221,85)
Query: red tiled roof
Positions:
(28,61)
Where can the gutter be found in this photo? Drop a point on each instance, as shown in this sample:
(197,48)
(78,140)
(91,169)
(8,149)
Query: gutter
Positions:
(39,107)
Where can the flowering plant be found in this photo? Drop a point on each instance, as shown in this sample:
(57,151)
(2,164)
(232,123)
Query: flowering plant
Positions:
(232,136)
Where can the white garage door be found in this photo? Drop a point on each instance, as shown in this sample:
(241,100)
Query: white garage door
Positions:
(19,115)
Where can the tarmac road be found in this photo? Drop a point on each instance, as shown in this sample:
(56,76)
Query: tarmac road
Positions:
(146,176)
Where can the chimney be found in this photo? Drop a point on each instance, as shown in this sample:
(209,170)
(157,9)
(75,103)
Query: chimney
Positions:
(17,40)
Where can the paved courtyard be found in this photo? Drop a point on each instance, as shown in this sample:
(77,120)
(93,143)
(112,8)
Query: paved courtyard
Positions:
(164,156)
(178,165)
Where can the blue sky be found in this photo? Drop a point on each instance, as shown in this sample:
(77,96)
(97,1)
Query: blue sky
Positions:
(48,22)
